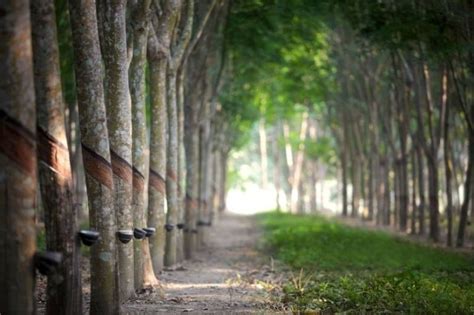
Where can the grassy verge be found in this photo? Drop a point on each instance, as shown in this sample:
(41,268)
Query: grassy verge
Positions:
(355,270)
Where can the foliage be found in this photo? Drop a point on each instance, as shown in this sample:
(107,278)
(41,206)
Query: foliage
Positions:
(354,270)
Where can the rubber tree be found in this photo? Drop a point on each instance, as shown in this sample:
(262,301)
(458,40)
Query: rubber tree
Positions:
(119,122)
(96,155)
(54,165)
(193,85)
(177,48)
(143,268)
(158,52)
(17,160)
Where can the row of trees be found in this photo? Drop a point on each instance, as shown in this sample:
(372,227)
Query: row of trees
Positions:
(122,94)
(376,94)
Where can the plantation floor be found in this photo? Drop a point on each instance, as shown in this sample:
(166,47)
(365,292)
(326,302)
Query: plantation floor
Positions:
(225,277)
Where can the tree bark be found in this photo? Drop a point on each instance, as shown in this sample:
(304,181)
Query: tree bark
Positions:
(171,170)
(178,45)
(144,274)
(64,286)
(159,53)
(276,169)
(298,166)
(96,155)
(263,153)
(156,182)
(467,188)
(414,178)
(448,173)
(421,191)
(17,160)
(119,123)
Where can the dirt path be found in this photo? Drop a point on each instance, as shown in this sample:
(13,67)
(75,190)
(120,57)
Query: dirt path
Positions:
(222,279)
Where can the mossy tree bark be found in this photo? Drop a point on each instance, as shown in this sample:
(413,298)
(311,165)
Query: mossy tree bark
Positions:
(143,267)
(96,155)
(17,160)
(177,48)
(158,51)
(119,123)
(64,286)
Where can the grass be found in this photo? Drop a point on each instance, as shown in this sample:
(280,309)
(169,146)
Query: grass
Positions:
(354,270)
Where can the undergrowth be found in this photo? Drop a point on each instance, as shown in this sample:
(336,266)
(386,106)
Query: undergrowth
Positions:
(344,269)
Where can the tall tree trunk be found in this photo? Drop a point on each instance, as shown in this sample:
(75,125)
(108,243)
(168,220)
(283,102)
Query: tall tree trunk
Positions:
(224,163)
(159,53)
(181,33)
(414,178)
(96,155)
(263,153)
(276,169)
(396,185)
(171,170)
(298,166)
(181,164)
(119,123)
(204,158)
(17,160)
(387,198)
(64,286)
(467,188)
(371,188)
(313,179)
(448,171)
(288,166)
(356,182)
(433,187)
(344,171)
(191,140)
(143,266)
(403,189)
(156,181)
(421,191)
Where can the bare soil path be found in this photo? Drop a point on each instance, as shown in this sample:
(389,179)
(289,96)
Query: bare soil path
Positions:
(227,276)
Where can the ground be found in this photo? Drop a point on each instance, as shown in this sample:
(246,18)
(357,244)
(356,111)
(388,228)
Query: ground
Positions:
(227,276)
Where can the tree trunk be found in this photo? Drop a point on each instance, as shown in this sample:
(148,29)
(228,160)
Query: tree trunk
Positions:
(156,181)
(171,170)
(345,196)
(119,123)
(298,166)
(356,182)
(421,191)
(433,186)
(414,177)
(181,164)
(263,153)
(64,286)
(17,160)
(143,266)
(387,198)
(396,185)
(191,140)
(96,155)
(276,169)
(467,188)
(403,190)
(312,186)
(223,183)
(371,188)
(448,171)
